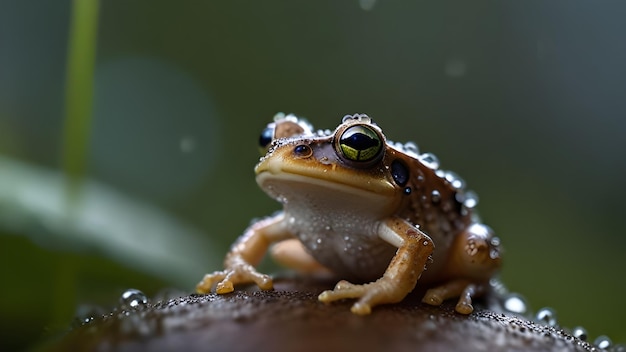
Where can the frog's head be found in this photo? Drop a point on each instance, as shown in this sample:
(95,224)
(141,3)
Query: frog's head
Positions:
(353,160)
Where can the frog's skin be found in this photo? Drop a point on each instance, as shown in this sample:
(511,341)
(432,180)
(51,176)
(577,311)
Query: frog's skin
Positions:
(367,210)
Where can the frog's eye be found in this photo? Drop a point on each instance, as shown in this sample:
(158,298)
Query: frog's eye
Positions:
(266,137)
(360,143)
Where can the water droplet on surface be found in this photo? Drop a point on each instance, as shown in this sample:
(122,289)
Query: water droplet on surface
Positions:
(498,286)
(367,5)
(435,196)
(603,342)
(187,144)
(133,299)
(430,160)
(546,316)
(515,303)
(580,333)
(455,68)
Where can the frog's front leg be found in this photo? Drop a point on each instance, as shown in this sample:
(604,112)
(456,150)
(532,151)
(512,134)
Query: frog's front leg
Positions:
(400,278)
(245,254)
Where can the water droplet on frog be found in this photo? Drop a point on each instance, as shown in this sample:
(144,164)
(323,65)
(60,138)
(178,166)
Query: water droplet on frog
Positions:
(430,160)
(319,240)
(411,148)
(515,303)
(455,180)
(435,196)
(471,199)
(580,333)
(133,299)
(603,342)
(546,316)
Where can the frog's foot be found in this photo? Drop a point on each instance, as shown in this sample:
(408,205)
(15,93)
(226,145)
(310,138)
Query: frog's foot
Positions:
(369,295)
(228,278)
(456,288)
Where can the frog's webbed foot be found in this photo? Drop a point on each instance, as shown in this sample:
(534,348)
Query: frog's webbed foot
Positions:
(226,280)
(463,289)
(370,295)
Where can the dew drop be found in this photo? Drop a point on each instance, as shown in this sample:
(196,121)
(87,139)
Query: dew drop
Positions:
(430,160)
(187,144)
(603,342)
(498,286)
(471,199)
(435,196)
(367,5)
(133,299)
(455,68)
(455,180)
(619,348)
(515,303)
(411,148)
(546,316)
(580,333)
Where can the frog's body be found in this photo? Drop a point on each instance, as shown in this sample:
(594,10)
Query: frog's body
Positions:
(364,209)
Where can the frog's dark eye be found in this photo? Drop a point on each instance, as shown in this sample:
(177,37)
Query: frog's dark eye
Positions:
(360,143)
(266,137)
(303,151)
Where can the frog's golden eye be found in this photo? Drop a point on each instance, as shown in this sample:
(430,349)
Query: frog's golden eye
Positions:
(360,143)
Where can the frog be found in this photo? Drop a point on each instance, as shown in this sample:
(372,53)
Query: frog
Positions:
(378,215)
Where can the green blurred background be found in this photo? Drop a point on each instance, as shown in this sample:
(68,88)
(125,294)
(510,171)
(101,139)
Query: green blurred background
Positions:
(524,99)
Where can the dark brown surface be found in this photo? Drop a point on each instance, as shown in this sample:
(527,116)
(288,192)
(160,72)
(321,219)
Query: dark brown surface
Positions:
(291,319)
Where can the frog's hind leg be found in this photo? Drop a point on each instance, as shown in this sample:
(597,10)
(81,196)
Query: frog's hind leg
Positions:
(463,289)
(292,254)
(474,258)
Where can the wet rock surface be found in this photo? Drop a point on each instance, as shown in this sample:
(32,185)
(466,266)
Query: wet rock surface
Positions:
(291,318)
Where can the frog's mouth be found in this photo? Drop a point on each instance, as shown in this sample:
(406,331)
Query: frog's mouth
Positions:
(273,171)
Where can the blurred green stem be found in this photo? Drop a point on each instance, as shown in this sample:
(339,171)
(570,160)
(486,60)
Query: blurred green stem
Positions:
(79,88)
(78,111)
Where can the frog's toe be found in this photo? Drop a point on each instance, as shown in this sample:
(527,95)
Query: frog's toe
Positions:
(343,289)
(207,282)
(464,307)
(361,308)
(432,297)
(263,281)
(224,287)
